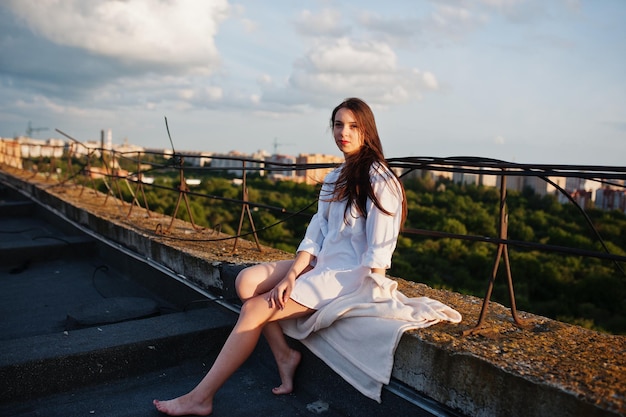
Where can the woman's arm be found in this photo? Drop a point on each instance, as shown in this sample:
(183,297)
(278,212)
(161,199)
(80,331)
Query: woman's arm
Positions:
(300,264)
(318,226)
(382,229)
(314,235)
(279,295)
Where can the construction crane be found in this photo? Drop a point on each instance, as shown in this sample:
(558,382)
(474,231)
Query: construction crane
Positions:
(276,145)
(30,129)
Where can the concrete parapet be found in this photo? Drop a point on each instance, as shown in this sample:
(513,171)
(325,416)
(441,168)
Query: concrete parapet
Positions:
(547,368)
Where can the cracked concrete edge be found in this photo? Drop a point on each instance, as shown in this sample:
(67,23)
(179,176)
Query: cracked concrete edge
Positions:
(463,381)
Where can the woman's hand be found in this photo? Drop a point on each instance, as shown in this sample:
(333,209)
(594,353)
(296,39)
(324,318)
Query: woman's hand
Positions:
(279,295)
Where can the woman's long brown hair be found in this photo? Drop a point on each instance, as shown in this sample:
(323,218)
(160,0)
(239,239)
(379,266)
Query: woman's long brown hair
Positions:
(354,183)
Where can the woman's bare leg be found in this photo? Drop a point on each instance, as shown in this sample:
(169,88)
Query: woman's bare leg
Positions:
(287,359)
(257,280)
(238,347)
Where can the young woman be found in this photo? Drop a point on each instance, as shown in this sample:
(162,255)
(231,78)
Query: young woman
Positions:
(353,234)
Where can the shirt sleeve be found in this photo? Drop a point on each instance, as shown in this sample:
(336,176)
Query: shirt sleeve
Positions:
(382,229)
(317,229)
(313,238)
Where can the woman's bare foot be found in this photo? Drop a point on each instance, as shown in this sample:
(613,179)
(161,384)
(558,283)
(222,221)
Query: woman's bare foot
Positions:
(286,370)
(183,406)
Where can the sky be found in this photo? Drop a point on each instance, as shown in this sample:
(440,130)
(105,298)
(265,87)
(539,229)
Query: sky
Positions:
(528,81)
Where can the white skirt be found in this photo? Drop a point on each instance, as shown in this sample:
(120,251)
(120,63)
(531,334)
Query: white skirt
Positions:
(317,288)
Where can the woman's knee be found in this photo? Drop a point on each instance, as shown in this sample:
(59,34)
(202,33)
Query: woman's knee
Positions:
(255,312)
(250,279)
(242,284)
(257,279)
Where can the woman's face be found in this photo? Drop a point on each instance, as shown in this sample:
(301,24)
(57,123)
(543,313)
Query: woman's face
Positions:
(347,134)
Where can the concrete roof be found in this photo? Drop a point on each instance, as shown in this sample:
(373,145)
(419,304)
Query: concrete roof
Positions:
(88,330)
(544,368)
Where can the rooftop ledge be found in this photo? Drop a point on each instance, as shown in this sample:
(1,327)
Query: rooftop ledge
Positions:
(548,368)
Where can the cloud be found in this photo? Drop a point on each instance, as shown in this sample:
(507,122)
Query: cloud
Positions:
(401,27)
(148,32)
(110,55)
(430,81)
(347,67)
(46,105)
(524,11)
(444,23)
(264,79)
(349,56)
(38,66)
(455,22)
(250,26)
(326,23)
(148,54)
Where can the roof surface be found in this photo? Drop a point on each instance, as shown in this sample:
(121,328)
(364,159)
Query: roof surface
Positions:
(565,369)
(82,334)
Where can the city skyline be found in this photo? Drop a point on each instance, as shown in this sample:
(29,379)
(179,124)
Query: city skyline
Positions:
(585,190)
(519,80)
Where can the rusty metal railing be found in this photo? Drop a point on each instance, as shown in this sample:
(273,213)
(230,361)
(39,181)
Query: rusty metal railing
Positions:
(465,165)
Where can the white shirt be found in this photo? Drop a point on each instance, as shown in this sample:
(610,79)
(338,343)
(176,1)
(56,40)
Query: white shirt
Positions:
(347,245)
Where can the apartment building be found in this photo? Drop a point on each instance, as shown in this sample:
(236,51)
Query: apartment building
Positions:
(315,175)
